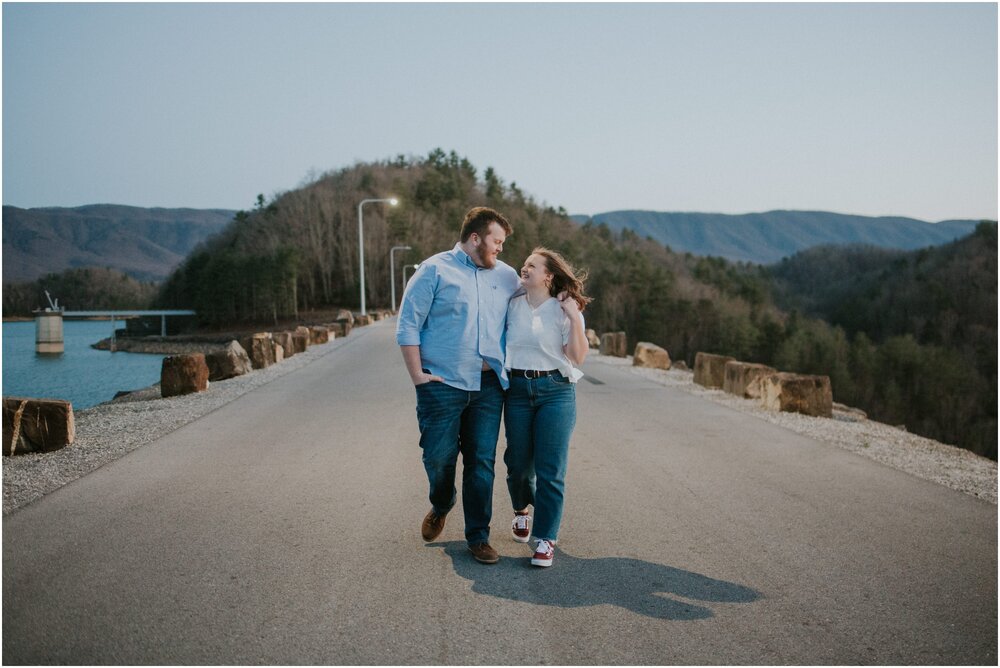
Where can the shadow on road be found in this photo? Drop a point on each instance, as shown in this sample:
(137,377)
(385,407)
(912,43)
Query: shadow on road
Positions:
(639,586)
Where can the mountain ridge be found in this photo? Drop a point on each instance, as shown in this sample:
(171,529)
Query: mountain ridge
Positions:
(767,237)
(145,243)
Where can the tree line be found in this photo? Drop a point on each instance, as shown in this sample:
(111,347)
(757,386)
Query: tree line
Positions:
(932,372)
(84,289)
(907,337)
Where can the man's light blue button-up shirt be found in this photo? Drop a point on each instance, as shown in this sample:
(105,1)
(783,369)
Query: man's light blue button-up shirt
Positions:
(456,312)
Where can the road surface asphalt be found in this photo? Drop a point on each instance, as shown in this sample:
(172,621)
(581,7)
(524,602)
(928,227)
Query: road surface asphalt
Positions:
(283,528)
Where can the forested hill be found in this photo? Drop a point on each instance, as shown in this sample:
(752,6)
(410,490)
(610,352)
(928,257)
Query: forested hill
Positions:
(914,333)
(940,295)
(146,244)
(768,237)
(299,251)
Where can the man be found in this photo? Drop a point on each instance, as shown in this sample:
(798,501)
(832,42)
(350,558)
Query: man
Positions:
(451,331)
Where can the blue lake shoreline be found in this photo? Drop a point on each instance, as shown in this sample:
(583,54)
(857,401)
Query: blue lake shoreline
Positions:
(82,375)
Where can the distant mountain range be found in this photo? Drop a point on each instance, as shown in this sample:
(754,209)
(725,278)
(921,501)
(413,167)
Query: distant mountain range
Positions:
(148,244)
(765,238)
(144,243)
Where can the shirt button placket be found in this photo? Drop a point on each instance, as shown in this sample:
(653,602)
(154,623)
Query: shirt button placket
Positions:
(479,308)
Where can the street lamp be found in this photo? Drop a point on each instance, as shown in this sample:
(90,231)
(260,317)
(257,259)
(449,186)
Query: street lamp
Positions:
(361,244)
(392,272)
(405,267)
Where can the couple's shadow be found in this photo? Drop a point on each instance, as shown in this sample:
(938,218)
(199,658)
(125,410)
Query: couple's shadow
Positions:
(640,586)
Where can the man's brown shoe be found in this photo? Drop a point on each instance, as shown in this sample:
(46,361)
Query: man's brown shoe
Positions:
(432,526)
(484,554)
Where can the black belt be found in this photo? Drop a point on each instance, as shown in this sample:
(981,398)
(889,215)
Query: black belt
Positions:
(531,373)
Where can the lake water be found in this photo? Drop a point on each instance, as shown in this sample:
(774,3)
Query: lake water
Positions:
(81,375)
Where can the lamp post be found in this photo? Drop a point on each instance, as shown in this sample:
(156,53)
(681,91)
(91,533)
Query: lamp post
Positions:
(405,267)
(392,272)
(361,244)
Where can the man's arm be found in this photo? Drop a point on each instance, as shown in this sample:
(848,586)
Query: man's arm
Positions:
(411,357)
(413,313)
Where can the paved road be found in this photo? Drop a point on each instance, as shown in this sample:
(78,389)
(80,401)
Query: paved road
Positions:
(283,528)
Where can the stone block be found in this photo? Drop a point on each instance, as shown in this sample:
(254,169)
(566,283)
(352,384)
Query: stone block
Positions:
(613,343)
(345,316)
(36,425)
(338,329)
(260,348)
(284,339)
(593,339)
(183,374)
(318,334)
(710,370)
(795,393)
(362,320)
(743,378)
(229,363)
(651,356)
(300,341)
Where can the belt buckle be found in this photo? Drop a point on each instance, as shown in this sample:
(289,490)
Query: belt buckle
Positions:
(531,374)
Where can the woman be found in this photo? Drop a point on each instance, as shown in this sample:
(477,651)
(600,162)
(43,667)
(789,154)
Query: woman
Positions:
(546,341)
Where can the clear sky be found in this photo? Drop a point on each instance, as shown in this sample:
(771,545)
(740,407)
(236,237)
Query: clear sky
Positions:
(875,109)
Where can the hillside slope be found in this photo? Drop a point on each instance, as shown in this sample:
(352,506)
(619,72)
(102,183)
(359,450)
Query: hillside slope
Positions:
(943,295)
(144,243)
(765,238)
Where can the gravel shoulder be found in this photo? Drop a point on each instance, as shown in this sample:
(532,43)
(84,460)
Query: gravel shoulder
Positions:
(111,430)
(924,458)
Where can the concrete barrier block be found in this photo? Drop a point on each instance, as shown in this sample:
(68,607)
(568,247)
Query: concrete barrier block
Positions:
(183,374)
(613,343)
(36,425)
(710,370)
(651,356)
(795,393)
(743,378)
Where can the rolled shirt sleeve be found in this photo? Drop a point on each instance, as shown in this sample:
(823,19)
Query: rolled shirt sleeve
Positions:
(416,305)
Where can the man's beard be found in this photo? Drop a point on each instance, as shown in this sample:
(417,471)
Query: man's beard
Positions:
(482,258)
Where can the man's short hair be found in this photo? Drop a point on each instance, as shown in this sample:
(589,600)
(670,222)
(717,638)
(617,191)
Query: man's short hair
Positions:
(478,219)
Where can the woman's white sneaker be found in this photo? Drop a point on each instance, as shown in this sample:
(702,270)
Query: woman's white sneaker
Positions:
(543,554)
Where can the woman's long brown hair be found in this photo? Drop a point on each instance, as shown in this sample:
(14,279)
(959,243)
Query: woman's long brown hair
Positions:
(564,276)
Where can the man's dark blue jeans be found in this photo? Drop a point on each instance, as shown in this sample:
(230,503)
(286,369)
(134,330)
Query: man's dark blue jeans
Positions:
(453,421)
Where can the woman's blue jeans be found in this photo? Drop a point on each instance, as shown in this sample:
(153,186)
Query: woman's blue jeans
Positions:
(539,416)
(453,421)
